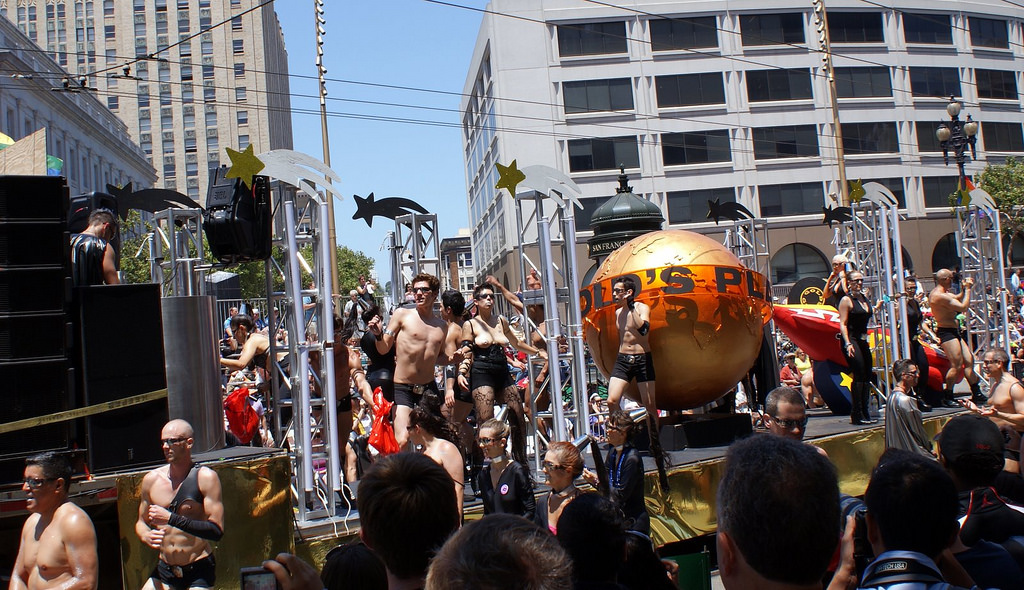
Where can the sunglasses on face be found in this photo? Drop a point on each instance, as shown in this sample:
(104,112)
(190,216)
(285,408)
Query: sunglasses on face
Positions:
(485,296)
(791,424)
(172,441)
(36,482)
(483,440)
(421,289)
(549,466)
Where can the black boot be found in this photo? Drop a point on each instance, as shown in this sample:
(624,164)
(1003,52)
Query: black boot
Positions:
(947,399)
(857,404)
(921,404)
(866,400)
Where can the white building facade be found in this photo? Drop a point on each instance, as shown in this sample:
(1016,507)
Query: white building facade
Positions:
(729,100)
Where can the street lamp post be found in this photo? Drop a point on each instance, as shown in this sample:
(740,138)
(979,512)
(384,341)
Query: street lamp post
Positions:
(957,136)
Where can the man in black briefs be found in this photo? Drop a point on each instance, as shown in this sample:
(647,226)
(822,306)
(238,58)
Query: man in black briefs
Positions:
(180,512)
(945,307)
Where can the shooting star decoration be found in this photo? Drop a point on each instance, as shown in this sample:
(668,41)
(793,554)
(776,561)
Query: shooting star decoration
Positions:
(244,165)
(508,177)
(857,191)
(301,171)
(730,210)
(837,215)
(151,200)
(552,182)
(389,207)
(880,195)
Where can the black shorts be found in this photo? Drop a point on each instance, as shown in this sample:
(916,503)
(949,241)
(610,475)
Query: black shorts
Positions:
(634,366)
(486,374)
(407,394)
(947,334)
(198,574)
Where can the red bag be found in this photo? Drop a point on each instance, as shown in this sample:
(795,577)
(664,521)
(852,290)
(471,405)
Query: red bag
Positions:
(243,421)
(382,433)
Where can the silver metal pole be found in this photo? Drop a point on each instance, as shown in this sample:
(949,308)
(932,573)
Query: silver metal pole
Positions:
(327,356)
(905,343)
(554,331)
(300,366)
(580,393)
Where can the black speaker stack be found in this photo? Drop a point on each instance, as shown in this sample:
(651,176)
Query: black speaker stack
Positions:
(36,367)
(238,221)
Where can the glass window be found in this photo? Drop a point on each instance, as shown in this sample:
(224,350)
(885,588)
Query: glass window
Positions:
(692,206)
(1002,137)
(932,29)
(243,117)
(796,261)
(207,72)
(926,140)
(769,85)
(238,46)
(243,141)
(591,39)
(870,138)
(690,89)
(855,27)
(696,147)
(590,96)
(145,123)
(240,70)
(996,84)
(190,145)
(584,215)
(683,33)
(987,32)
(937,189)
(240,94)
(187,94)
(790,199)
(785,142)
(188,119)
(108,31)
(186,72)
(863,82)
(168,146)
(772,29)
(236,23)
(112,103)
(108,7)
(211,119)
(143,96)
(209,94)
(938,82)
(603,154)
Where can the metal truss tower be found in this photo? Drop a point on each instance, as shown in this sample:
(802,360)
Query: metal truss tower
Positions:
(415,249)
(979,242)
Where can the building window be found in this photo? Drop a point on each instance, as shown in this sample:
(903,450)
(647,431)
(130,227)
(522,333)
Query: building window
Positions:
(692,206)
(603,154)
(145,123)
(855,27)
(996,84)
(690,89)
(206,47)
(591,39)
(108,7)
(168,146)
(183,21)
(931,29)
(143,96)
(186,72)
(187,95)
(1002,137)
(863,82)
(108,31)
(112,103)
(772,29)
(166,120)
(236,23)
(207,72)
(209,94)
(683,33)
(243,117)
(591,96)
(937,190)
(790,199)
(168,171)
(188,118)
(584,215)
(695,147)
(987,32)
(240,94)
(870,138)
(240,70)
(785,142)
(243,141)
(211,119)
(190,145)
(938,82)
(796,261)
(769,85)
(926,140)
(237,46)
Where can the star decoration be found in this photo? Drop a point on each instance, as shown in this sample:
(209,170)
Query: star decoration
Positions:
(845,380)
(857,191)
(509,177)
(244,165)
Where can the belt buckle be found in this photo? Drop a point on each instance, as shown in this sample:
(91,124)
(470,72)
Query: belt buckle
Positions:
(177,571)
(417,389)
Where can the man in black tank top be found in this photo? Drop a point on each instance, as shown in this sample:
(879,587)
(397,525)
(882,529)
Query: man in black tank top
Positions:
(92,256)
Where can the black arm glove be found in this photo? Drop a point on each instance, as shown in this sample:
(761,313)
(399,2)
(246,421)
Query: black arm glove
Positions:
(203,529)
(644,329)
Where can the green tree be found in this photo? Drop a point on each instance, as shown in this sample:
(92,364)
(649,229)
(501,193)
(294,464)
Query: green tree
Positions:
(1006,185)
(135,248)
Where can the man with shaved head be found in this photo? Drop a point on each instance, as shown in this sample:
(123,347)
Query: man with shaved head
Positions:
(180,513)
(946,306)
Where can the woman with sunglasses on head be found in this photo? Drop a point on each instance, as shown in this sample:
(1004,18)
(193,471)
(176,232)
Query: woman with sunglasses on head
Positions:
(625,472)
(485,371)
(428,430)
(854,315)
(562,465)
(505,485)
(837,284)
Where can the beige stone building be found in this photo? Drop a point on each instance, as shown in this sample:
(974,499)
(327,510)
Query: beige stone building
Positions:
(188,77)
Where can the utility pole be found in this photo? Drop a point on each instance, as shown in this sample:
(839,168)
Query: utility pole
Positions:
(322,78)
(825,42)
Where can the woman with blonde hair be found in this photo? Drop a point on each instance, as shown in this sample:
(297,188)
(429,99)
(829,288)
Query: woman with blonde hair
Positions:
(505,485)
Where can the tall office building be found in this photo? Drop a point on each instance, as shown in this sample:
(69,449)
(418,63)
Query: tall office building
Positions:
(188,77)
(705,100)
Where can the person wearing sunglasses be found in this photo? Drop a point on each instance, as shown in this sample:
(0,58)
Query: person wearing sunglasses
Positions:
(625,472)
(785,414)
(562,465)
(504,485)
(904,428)
(1005,405)
(854,315)
(93,260)
(484,371)
(58,541)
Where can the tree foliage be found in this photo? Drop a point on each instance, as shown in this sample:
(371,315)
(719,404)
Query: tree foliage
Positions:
(1006,185)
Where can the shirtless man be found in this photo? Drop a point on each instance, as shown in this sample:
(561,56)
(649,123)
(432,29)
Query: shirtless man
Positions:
(946,306)
(179,514)
(419,340)
(1005,402)
(58,542)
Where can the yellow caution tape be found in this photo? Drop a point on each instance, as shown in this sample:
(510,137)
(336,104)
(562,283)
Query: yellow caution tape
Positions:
(117,404)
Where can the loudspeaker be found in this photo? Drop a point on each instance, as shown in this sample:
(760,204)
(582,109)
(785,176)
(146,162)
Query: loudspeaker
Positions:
(35,388)
(703,431)
(238,220)
(120,353)
(78,216)
(33,198)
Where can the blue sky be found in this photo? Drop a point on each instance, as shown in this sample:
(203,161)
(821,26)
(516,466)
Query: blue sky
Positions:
(408,43)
